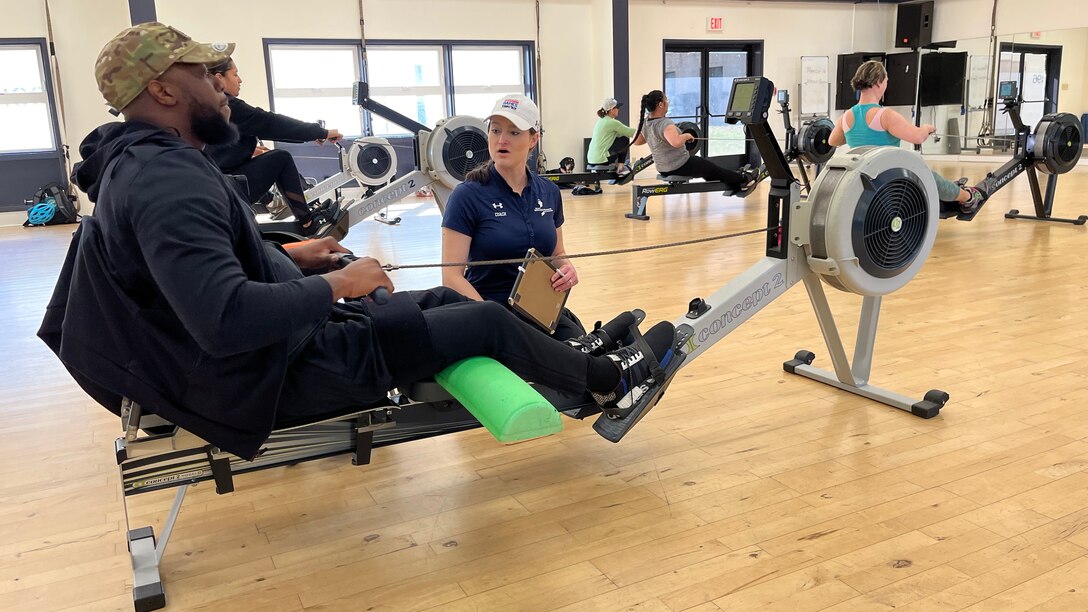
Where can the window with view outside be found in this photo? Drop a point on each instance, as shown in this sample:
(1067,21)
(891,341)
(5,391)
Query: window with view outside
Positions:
(482,74)
(410,80)
(313,83)
(698,81)
(724,66)
(26,121)
(424,82)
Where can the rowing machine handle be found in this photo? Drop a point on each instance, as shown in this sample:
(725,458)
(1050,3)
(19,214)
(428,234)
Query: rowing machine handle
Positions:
(379,295)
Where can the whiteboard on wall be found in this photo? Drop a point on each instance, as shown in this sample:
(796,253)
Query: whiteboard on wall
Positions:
(814,85)
(977,85)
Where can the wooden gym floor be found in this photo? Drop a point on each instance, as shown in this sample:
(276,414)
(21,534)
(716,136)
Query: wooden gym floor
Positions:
(745,489)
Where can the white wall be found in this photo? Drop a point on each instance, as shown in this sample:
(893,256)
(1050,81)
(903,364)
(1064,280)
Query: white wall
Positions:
(788,31)
(567,44)
(962,19)
(601,60)
(80,28)
(575,40)
(571,88)
(23,19)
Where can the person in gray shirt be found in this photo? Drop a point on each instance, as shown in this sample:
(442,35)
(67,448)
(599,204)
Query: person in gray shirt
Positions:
(667,146)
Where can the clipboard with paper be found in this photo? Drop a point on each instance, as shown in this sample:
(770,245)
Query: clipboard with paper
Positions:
(533,296)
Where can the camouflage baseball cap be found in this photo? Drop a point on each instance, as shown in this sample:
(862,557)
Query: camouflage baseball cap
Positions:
(140,54)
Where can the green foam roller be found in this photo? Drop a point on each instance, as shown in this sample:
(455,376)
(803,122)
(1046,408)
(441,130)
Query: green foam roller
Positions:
(503,403)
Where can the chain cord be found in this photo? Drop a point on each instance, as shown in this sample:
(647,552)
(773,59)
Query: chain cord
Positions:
(519,260)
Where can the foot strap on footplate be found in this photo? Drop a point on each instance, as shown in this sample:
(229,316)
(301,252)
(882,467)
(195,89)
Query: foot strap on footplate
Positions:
(610,425)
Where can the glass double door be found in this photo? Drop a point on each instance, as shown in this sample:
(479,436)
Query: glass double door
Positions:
(1036,71)
(698,81)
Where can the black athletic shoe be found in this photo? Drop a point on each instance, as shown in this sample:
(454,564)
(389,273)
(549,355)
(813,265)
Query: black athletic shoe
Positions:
(638,393)
(596,342)
(637,370)
(751,178)
(317,224)
(326,210)
(608,337)
(748,181)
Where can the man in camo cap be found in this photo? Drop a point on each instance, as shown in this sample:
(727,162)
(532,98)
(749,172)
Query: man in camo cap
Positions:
(170,297)
(142,53)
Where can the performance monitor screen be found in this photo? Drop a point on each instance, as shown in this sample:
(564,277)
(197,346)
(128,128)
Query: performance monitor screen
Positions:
(742,97)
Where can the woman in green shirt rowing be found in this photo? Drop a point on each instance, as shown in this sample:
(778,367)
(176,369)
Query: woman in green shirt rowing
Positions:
(611,138)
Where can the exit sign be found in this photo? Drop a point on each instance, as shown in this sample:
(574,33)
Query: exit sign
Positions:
(713,24)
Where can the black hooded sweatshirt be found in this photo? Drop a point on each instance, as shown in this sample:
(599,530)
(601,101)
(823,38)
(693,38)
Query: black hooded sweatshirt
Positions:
(256,123)
(170,297)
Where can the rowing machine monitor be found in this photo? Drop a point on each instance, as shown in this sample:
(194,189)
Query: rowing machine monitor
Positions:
(750,100)
(1006,90)
(750,103)
(783,97)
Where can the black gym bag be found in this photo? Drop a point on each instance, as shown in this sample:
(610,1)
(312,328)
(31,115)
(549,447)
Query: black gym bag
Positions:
(51,205)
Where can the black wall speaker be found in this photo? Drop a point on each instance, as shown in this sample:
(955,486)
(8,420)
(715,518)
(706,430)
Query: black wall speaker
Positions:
(914,24)
(848,64)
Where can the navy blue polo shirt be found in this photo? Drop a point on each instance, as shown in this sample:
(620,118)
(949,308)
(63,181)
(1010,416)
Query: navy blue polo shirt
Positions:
(503,224)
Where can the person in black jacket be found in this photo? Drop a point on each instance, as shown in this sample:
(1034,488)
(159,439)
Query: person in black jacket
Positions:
(169,296)
(260,165)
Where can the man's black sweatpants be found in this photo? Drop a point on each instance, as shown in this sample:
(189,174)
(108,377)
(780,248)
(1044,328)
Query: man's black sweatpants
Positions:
(458,328)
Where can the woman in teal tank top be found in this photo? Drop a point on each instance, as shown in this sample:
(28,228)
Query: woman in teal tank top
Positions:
(869,124)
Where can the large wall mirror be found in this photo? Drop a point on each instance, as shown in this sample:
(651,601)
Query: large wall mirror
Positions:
(1049,69)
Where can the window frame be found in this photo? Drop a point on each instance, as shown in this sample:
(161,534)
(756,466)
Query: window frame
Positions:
(56,152)
(447,47)
(304,43)
(753,47)
(528,61)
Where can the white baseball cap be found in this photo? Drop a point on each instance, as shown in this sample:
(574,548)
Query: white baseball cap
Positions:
(520,110)
(609,104)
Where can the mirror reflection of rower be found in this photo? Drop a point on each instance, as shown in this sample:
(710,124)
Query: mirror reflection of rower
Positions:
(1054,148)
